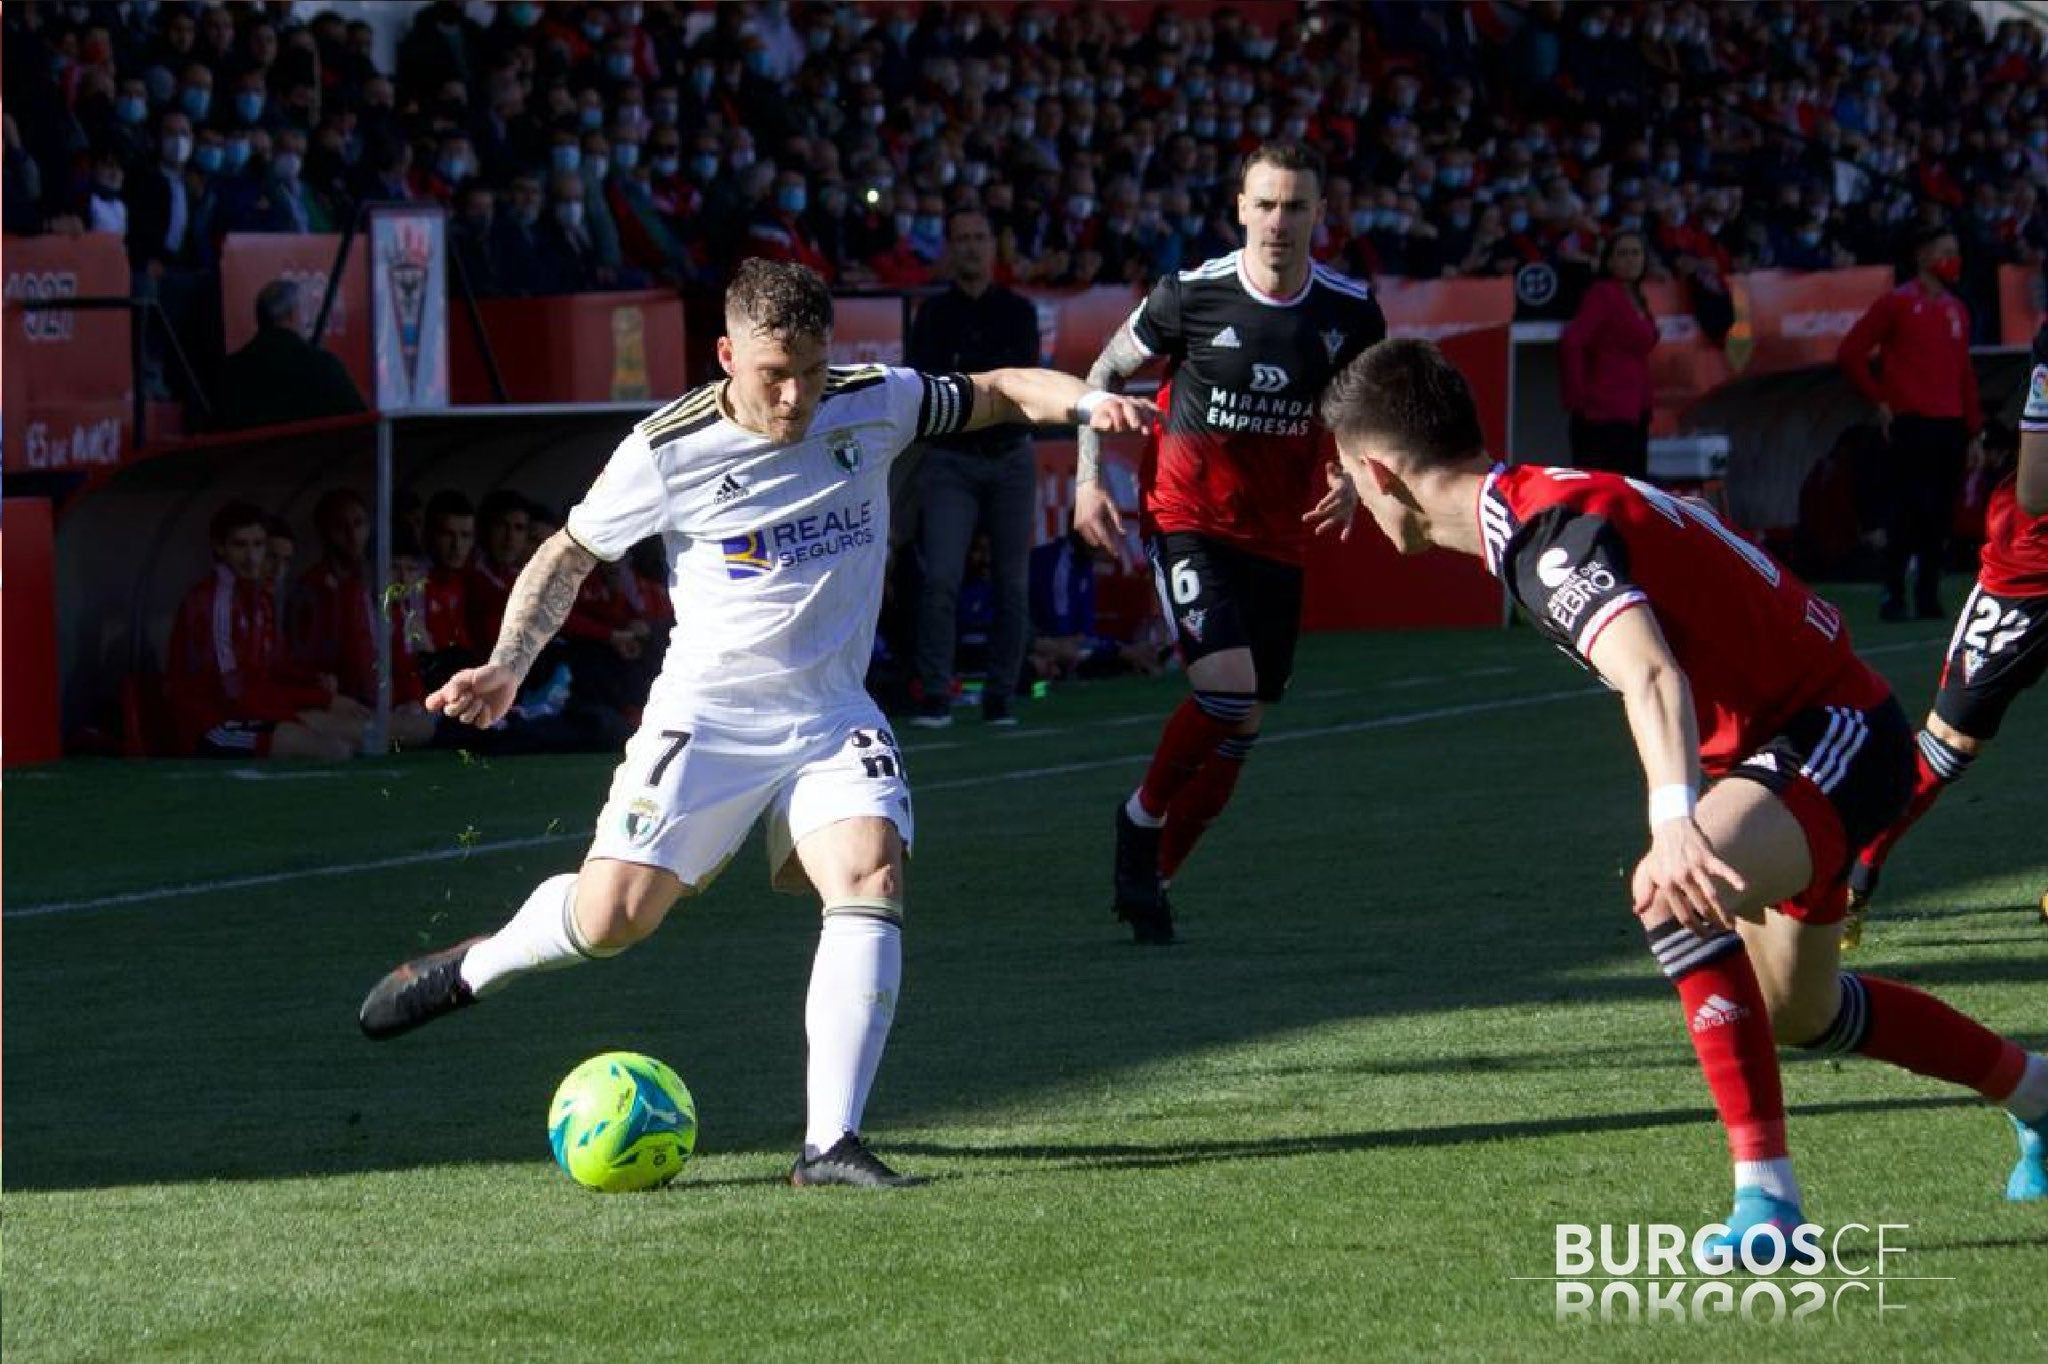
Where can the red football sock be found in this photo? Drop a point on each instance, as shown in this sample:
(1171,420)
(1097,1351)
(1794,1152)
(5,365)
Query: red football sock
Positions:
(1201,799)
(1927,788)
(1731,1034)
(1187,742)
(1917,1032)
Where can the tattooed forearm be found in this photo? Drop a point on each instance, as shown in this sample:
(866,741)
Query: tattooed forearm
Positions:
(540,601)
(1120,359)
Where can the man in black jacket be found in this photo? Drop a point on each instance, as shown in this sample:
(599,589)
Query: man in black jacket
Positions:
(988,478)
(280,376)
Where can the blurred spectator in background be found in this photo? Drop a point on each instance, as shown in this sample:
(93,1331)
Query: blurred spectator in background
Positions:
(1604,364)
(284,547)
(1925,392)
(231,691)
(501,550)
(280,376)
(1065,644)
(451,540)
(987,479)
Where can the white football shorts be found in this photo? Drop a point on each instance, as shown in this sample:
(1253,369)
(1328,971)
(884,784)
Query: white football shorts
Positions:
(686,794)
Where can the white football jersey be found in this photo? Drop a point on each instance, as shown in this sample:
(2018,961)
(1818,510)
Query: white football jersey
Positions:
(776,551)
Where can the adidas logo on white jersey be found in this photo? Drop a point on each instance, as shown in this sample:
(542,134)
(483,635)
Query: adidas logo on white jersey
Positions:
(727,491)
(1227,338)
(1717,1012)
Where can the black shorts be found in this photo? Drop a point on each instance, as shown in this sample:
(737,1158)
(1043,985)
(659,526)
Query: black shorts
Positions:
(1845,774)
(1221,597)
(1999,649)
(237,739)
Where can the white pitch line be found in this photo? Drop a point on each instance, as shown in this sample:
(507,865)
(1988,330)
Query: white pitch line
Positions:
(954,784)
(275,878)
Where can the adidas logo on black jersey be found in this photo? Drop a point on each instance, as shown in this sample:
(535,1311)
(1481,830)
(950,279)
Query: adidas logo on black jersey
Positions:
(728,491)
(1227,338)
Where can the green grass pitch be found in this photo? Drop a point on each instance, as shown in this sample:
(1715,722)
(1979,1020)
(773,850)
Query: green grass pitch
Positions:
(1410,1030)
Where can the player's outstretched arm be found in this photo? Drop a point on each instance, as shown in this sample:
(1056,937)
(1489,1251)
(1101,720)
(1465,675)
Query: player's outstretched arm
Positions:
(540,600)
(1044,397)
(1095,513)
(1676,878)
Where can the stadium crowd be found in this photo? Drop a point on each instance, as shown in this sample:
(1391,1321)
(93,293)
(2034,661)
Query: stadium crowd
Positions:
(587,146)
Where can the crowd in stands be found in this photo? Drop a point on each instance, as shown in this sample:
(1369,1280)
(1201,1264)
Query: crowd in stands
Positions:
(586,146)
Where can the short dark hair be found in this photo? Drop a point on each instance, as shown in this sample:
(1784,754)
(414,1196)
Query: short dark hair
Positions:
(277,304)
(778,298)
(1406,394)
(333,502)
(1285,154)
(232,517)
(447,502)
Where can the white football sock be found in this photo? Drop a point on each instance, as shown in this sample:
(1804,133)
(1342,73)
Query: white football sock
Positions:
(1140,816)
(2029,1099)
(854,981)
(1773,1176)
(536,939)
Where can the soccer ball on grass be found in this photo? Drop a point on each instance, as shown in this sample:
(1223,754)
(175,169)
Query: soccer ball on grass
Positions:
(622,1121)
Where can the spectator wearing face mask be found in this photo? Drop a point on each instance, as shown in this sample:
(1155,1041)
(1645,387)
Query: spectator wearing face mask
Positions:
(161,202)
(778,231)
(568,248)
(521,254)
(1925,391)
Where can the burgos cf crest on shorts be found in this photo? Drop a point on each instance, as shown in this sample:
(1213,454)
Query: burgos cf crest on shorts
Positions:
(822,535)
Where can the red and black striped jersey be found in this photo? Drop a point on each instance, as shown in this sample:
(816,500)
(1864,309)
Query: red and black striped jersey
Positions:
(1578,549)
(1238,448)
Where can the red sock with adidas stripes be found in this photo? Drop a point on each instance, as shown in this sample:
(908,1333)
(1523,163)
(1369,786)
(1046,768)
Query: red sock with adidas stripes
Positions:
(1200,801)
(1927,788)
(1730,1027)
(1915,1031)
(1190,738)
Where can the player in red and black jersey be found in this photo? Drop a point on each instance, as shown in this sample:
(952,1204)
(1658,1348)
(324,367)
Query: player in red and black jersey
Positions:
(1238,476)
(1998,650)
(1729,669)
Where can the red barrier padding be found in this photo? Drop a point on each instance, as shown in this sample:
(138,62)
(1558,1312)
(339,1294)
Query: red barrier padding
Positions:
(28,623)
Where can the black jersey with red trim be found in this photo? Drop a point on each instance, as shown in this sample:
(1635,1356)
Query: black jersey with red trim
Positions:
(1239,451)
(1579,549)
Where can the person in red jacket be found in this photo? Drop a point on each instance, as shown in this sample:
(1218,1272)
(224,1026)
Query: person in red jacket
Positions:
(1926,396)
(447,644)
(1605,364)
(331,622)
(231,692)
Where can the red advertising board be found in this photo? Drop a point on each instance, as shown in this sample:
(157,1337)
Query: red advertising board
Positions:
(571,348)
(1075,324)
(250,260)
(868,331)
(1437,308)
(69,381)
(1785,320)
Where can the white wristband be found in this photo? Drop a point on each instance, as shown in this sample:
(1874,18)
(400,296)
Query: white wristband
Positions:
(1085,405)
(1675,801)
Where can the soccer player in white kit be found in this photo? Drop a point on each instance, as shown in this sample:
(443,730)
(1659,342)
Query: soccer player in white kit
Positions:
(770,491)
